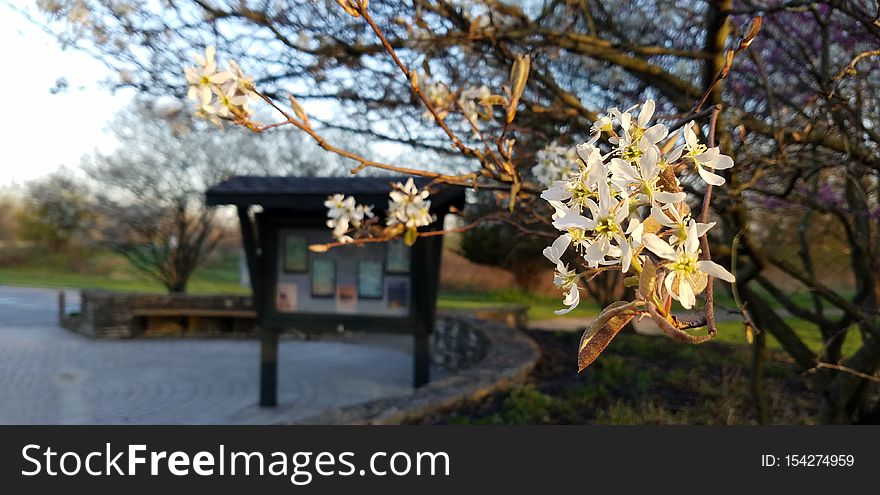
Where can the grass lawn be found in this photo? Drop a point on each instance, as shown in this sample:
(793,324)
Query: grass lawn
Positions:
(104,269)
(540,307)
(732,332)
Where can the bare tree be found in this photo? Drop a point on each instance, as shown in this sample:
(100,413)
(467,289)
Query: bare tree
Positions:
(151,188)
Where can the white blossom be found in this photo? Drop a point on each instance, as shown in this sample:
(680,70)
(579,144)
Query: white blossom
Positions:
(705,158)
(220,94)
(601,207)
(670,217)
(343,214)
(687,272)
(642,181)
(567,281)
(409,206)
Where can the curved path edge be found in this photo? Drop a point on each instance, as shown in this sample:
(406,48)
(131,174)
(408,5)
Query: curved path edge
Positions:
(510,357)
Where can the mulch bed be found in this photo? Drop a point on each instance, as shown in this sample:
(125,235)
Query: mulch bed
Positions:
(643,380)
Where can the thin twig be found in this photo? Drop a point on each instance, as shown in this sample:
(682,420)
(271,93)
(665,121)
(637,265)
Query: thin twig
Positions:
(363,162)
(362,9)
(704,240)
(845,369)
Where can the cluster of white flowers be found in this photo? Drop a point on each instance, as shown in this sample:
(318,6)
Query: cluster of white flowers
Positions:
(220,94)
(613,205)
(408,209)
(554,163)
(409,206)
(343,215)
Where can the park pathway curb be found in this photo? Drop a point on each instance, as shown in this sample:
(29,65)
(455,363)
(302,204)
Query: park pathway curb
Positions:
(510,357)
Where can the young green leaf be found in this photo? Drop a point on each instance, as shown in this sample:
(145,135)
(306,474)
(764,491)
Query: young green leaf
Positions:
(410,237)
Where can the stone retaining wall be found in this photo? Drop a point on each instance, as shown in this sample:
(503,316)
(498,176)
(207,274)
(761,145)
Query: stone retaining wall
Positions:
(106,314)
(456,345)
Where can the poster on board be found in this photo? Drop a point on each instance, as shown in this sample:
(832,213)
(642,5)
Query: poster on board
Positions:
(371,279)
(323,277)
(346,299)
(398,294)
(286,298)
(296,254)
(397,254)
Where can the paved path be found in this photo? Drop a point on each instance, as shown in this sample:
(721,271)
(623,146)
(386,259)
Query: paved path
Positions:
(578,324)
(49,375)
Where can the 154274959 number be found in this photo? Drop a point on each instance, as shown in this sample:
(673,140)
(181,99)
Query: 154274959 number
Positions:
(808,460)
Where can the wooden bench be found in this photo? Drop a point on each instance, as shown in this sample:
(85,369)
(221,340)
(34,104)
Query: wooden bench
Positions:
(186,318)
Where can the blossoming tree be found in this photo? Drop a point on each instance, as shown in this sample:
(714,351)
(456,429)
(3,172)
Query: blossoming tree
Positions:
(797,111)
(618,208)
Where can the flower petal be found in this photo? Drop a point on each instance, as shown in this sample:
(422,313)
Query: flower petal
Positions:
(668,197)
(690,137)
(648,163)
(723,162)
(572,298)
(710,178)
(655,133)
(692,243)
(708,157)
(715,270)
(623,169)
(686,294)
(646,113)
(626,253)
(702,228)
(658,246)
(674,155)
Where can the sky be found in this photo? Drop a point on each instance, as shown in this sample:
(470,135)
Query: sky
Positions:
(41,131)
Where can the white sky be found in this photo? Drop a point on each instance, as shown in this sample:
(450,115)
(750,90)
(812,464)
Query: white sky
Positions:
(41,131)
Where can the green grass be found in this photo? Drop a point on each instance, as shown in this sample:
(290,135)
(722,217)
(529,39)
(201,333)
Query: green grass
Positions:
(102,269)
(732,332)
(540,307)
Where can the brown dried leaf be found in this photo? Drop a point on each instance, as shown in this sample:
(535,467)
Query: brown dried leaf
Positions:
(519,74)
(668,181)
(491,100)
(603,329)
(754,28)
